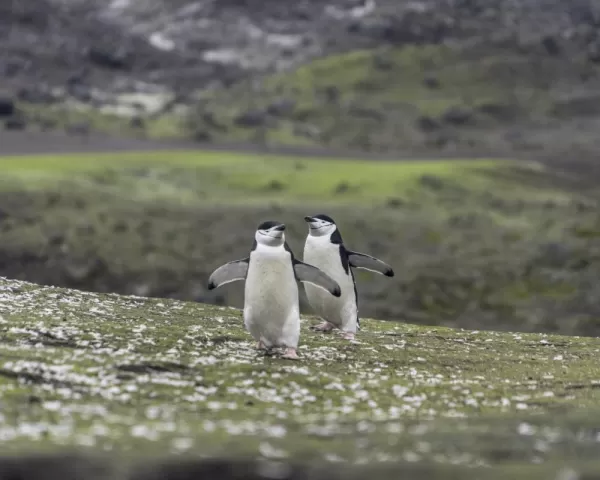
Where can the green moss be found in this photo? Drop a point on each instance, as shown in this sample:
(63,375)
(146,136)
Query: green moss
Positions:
(152,376)
(247,177)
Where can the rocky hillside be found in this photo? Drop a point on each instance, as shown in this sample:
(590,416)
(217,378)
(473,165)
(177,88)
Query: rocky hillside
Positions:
(149,56)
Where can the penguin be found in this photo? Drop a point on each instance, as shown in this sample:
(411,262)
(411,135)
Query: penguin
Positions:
(270,272)
(325,249)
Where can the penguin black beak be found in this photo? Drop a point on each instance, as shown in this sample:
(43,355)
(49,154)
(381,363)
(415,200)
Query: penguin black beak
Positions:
(308,219)
(279,228)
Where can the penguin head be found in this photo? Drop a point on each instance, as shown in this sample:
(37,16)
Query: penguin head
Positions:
(270,233)
(320,225)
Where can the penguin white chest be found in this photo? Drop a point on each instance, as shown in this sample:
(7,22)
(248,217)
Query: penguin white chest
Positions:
(271,311)
(340,311)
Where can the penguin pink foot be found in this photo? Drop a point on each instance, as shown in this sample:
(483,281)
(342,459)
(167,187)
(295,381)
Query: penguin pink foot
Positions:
(290,354)
(348,336)
(323,327)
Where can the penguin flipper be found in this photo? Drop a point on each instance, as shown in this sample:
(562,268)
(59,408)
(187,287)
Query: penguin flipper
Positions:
(309,274)
(230,272)
(367,262)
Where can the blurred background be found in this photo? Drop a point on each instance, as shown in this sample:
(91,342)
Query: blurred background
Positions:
(456,140)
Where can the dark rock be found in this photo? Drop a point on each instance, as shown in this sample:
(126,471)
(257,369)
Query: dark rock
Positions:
(382,63)
(75,79)
(499,111)
(457,115)
(395,202)
(431,181)
(411,26)
(431,82)
(367,85)
(438,140)
(332,94)
(355,27)
(138,123)
(79,128)
(77,87)
(551,45)
(117,59)
(366,112)
(15,123)
(7,107)
(593,52)
(577,105)
(38,94)
(202,136)
(253,118)
(10,68)
(210,120)
(342,187)
(120,227)
(275,186)
(428,124)
(555,255)
(80,92)
(47,124)
(281,107)
(56,239)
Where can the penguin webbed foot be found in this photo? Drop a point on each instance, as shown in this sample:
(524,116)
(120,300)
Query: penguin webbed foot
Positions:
(263,350)
(348,336)
(290,354)
(324,327)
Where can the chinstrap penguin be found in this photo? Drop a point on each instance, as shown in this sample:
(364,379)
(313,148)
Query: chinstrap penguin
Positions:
(271,307)
(325,249)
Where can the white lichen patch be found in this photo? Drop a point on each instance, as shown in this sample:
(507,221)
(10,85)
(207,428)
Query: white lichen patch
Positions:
(79,368)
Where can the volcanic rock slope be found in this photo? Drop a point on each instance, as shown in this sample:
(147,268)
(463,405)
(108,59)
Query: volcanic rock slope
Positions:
(539,57)
(190,44)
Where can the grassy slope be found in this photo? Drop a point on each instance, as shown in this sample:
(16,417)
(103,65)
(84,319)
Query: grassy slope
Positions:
(236,178)
(382,98)
(483,244)
(145,377)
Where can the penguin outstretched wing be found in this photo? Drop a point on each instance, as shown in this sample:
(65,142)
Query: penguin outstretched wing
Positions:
(230,272)
(367,262)
(307,273)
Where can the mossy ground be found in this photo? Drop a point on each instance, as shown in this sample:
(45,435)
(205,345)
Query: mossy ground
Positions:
(145,377)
